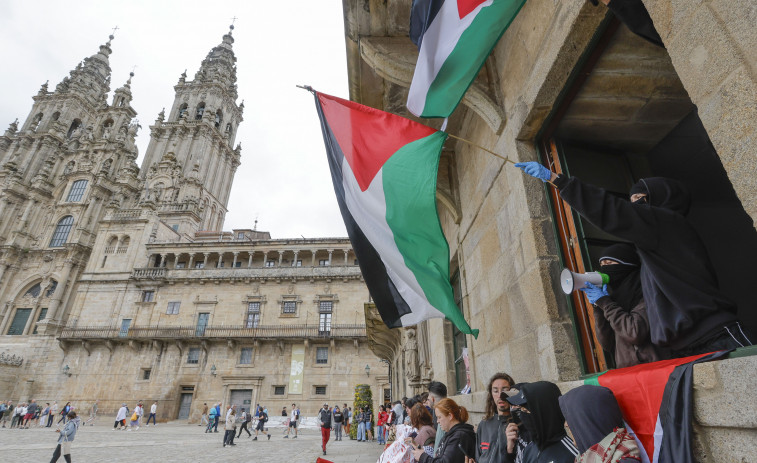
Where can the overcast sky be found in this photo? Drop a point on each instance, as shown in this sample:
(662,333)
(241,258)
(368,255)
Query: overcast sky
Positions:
(284,178)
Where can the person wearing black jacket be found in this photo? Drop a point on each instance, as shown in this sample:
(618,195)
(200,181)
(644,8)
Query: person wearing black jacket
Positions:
(324,417)
(539,410)
(686,309)
(459,437)
(491,434)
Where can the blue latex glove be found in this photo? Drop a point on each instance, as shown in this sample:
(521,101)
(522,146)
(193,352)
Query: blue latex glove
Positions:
(594,293)
(536,170)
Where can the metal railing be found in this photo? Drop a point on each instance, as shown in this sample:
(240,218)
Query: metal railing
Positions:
(213,332)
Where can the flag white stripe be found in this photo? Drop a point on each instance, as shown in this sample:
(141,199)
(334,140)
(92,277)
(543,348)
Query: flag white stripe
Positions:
(441,36)
(368,209)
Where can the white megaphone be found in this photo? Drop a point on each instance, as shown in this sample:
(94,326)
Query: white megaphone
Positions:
(571,281)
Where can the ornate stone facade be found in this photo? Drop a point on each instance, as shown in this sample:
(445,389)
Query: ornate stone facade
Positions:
(117,284)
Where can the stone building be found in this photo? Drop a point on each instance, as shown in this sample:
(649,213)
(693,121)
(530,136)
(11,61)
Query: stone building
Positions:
(117,284)
(572,87)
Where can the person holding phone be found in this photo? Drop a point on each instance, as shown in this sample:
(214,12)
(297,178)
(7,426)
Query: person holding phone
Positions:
(459,439)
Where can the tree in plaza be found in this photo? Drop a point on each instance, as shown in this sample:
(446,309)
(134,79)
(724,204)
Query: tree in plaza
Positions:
(363,398)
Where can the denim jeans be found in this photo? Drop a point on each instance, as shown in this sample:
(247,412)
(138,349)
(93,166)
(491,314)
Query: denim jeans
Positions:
(380,435)
(360,432)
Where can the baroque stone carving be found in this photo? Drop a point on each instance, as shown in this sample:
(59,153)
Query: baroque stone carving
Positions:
(11,359)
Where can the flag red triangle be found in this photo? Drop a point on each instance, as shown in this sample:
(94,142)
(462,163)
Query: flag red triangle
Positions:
(464,7)
(368,136)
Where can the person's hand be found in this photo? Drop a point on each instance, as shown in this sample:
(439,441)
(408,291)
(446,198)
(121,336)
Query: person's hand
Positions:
(469,460)
(536,170)
(417,453)
(594,293)
(511,432)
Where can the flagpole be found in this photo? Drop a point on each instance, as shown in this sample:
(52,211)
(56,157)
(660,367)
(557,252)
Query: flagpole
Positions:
(481,148)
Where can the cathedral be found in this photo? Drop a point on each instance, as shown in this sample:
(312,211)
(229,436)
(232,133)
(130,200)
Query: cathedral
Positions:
(117,283)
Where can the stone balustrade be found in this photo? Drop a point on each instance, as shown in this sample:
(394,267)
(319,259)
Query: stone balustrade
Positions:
(148,273)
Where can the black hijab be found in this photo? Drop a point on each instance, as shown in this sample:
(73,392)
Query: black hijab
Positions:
(625,282)
(545,423)
(592,413)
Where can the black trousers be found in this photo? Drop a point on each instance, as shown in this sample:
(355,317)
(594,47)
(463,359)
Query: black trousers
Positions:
(244,428)
(56,455)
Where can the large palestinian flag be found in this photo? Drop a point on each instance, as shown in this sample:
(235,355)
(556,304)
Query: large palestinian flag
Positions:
(454,38)
(657,405)
(384,172)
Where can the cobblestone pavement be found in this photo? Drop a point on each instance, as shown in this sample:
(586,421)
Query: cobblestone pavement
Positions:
(181,442)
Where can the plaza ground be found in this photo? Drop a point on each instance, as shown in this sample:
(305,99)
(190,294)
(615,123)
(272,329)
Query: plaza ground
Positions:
(182,442)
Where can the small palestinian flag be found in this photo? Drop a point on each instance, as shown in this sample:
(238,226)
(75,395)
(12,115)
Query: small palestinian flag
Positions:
(384,172)
(454,38)
(657,404)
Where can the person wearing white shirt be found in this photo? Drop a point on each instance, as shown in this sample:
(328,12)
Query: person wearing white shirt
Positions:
(121,417)
(153,411)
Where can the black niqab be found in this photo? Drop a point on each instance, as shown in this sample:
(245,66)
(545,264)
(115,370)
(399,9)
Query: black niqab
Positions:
(592,413)
(625,280)
(545,423)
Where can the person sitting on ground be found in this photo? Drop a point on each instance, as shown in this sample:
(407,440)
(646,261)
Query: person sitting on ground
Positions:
(620,315)
(596,422)
(687,311)
(491,441)
(459,437)
(420,420)
(537,406)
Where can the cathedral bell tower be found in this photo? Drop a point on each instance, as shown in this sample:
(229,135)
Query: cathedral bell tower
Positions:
(191,160)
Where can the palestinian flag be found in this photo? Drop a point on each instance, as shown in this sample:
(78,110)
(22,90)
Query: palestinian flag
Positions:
(384,172)
(454,38)
(657,403)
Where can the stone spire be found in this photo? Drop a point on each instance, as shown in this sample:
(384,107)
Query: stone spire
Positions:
(91,77)
(219,66)
(122,96)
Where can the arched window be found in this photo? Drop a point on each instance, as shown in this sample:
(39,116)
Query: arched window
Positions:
(182,110)
(200,111)
(36,121)
(34,291)
(219,118)
(76,192)
(61,231)
(110,248)
(74,125)
(123,246)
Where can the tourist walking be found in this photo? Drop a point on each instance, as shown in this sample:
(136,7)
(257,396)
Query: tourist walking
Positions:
(45,417)
(211,420)
(218,417)
(338,417)
(204,415)
(65,439)
(53,412)
(230,426)
(360,425)
(153,411)
(347,418)
(64,412)
(18,414)
(121,417)
(93,414)
(324,418)
(292,424)
(31,412)
(245,419)
(380,422)
(262,419)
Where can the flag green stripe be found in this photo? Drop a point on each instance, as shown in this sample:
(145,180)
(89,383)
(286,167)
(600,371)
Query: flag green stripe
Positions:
(409,178)
(468,57)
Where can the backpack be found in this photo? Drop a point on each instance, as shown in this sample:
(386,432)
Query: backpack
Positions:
(264,417)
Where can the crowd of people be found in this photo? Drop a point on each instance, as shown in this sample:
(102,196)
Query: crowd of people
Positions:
(31,414)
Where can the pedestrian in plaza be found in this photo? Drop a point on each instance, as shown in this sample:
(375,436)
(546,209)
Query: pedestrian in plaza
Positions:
(360,425)
(153,412)
(5,410)
(45,416)
(347,418)
(121,417)
(134,420)
(66,438)
(64,412)
(262,420)
(231,427)
(245,419)
(324,419)
(380,422)
(204,415)
(31,412)
(53,412)
(369,423)
(18,416)
(93,413)
(218,417)
(211,420)
(338,417)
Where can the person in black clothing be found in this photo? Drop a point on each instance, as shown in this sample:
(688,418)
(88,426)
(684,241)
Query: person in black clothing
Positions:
(539,410)
(452,419)
(338,417)
(262,419)
(324,418)
(620,315)
(686,309)
(593,416)
(246,419)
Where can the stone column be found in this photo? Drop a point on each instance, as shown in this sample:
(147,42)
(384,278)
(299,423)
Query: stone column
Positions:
(220,260)
(294,261)
(281,257)
(176,260)
(331,251)
(346,254)
(191,260)
(249,261)
(84,221)
(265,258)
(52,311)
(205,261)
(162,260)
(234,263)
(3,266)
(312,261)
(6,317)
(25,216)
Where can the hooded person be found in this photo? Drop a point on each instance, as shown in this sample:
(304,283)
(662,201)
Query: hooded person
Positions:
(620,314)
(686,309)
(596,422)
(539,410)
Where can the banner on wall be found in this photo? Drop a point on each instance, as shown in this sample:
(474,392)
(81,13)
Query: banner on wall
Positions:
(297,369)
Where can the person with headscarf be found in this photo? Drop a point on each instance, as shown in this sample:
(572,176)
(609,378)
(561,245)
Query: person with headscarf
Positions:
(620,313)
(596,422)
(537,407)
(687,310)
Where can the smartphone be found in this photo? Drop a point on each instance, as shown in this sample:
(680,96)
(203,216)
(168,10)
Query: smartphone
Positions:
(464,452)
(413,434)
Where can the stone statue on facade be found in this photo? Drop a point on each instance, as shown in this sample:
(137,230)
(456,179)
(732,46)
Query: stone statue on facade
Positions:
(411,355)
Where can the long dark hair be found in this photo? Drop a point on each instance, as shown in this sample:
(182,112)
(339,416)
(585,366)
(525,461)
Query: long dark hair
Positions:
(491,405)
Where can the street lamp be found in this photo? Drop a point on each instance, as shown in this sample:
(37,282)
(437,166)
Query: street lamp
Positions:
(213,370)
(66,370)
(367,370)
